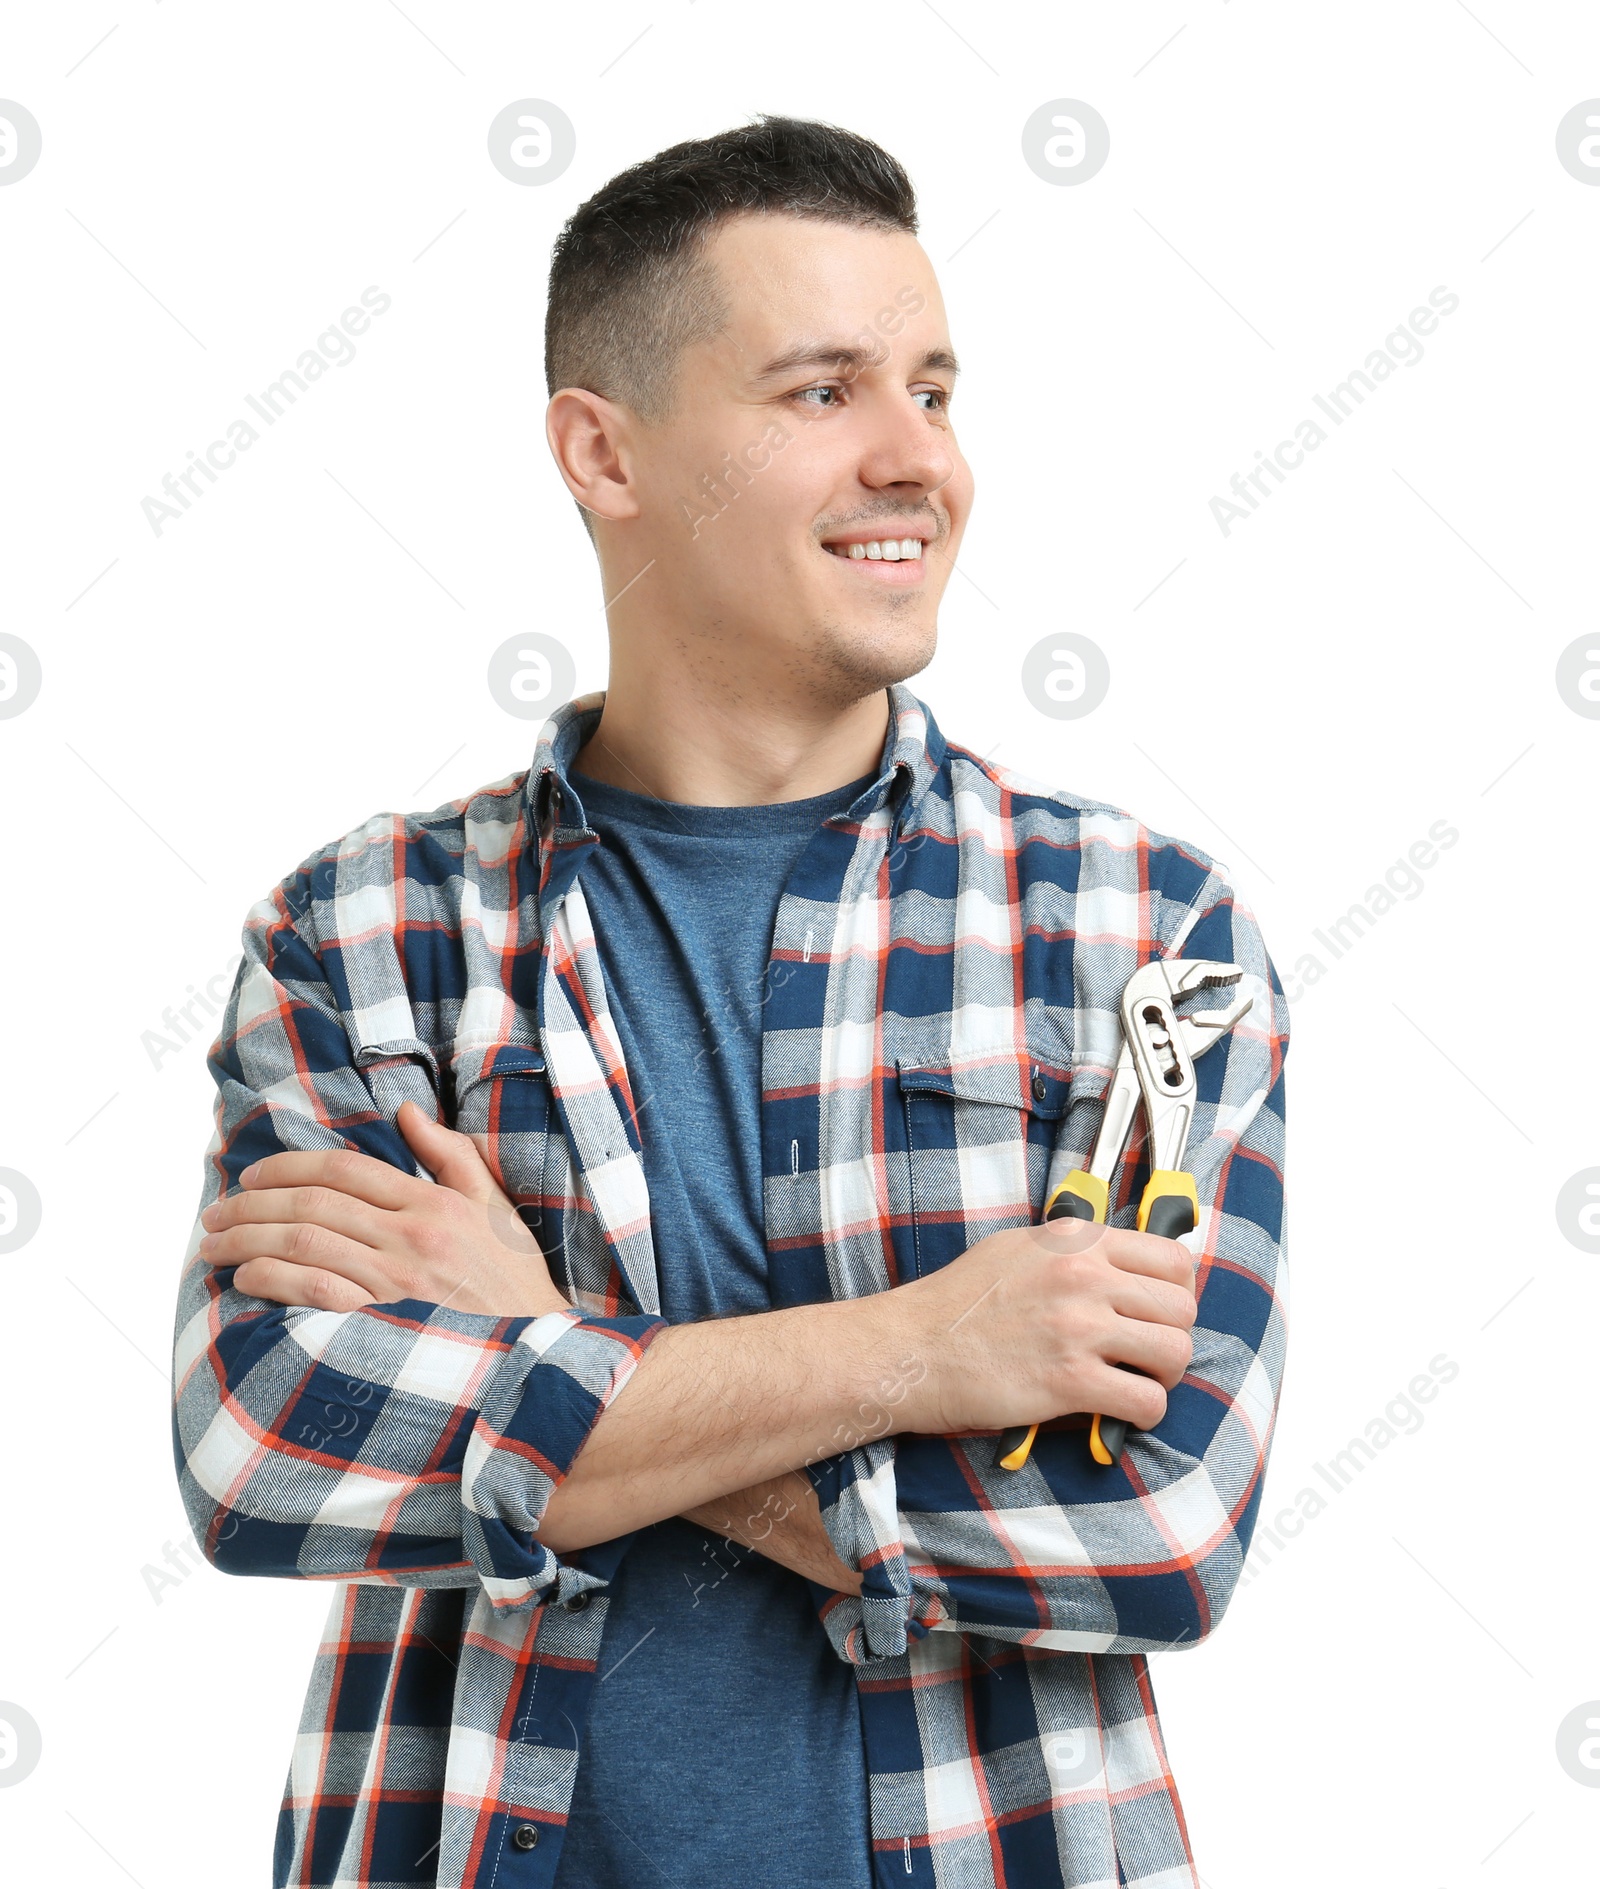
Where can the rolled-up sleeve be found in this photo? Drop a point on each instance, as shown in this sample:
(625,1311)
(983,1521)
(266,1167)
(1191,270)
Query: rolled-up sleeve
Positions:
(1144,1554)
(403,1443)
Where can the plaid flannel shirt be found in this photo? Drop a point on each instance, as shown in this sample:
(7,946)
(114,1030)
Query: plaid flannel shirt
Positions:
(940,1027)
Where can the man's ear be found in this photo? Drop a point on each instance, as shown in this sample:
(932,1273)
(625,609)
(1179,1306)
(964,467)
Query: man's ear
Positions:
(589,441)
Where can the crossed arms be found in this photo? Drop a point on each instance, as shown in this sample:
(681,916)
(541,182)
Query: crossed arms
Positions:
(378,1379)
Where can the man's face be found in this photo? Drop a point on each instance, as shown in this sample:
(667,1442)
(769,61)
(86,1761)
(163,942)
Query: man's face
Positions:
(819,415)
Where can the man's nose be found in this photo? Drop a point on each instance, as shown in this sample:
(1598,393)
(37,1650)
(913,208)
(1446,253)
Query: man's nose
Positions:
(902,449)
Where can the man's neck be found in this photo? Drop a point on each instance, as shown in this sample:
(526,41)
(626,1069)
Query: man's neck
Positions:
(732,748)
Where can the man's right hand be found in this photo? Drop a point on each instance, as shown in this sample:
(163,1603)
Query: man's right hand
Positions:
(1031,1324)
(1025,1326)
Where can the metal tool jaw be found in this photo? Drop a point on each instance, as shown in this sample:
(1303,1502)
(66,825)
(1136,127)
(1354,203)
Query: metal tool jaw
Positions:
(1195,1034)
(1162,1045)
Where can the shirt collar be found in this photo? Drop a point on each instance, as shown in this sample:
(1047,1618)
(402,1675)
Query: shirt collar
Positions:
(913,753)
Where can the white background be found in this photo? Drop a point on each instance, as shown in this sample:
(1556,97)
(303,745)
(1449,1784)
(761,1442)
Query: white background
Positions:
(1371,652)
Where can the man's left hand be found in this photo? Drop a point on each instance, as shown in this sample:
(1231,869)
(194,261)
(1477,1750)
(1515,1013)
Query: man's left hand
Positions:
(780,1518)
(337,1230)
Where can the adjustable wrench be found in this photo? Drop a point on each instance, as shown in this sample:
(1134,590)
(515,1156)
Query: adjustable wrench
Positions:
(1169,1205)
(1164,1060)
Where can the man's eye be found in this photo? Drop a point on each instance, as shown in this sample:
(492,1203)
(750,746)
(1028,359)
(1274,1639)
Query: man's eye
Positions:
(937,394)
(804,391)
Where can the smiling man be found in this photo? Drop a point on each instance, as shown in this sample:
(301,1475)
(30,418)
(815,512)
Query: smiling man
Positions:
(619,1247)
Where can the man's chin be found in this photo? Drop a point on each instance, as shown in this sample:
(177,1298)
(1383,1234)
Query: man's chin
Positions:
(859,665)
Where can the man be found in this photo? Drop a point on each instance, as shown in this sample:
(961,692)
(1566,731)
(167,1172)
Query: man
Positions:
(652,1440)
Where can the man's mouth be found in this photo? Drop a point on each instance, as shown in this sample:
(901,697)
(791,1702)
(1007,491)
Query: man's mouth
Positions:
(883,560)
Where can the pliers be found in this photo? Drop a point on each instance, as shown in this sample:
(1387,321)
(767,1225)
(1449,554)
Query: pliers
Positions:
(1156,1061)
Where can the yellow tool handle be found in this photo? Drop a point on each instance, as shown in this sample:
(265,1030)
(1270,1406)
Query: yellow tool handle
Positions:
(1080,1196)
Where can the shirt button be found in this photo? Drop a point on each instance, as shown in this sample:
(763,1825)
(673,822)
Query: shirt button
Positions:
(525,1836)
(576,1605)
(1038,1087)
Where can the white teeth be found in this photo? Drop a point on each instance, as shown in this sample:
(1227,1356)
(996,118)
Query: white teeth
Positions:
(890,548)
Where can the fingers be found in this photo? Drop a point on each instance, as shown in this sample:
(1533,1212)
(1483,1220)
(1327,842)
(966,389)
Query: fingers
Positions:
(317,1206)
(1133,1252)
(451,1158)
(1151,1255)
(342,1170)
(1161,1351)
(1091,1278)
(307,1248)
(1141,1401)
(1136,1295)
(285,1283)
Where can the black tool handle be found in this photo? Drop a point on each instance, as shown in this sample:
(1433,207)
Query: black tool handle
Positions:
(1171,1216)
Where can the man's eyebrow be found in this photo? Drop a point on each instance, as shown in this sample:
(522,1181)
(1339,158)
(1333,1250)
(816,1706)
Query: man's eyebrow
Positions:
(848,357)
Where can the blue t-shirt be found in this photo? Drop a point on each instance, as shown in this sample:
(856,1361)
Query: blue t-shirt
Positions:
(724,1743)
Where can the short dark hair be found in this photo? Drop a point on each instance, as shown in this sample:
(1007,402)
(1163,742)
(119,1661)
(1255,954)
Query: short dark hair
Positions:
(629,286)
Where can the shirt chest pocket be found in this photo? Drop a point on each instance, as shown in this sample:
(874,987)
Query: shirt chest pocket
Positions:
(501,1098)
(977,1138)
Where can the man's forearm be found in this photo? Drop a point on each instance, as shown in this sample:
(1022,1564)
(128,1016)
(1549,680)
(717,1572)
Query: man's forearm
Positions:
(781,1519)
(718,1407)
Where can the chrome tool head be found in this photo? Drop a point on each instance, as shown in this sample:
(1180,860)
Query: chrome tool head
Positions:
(1163,1044)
